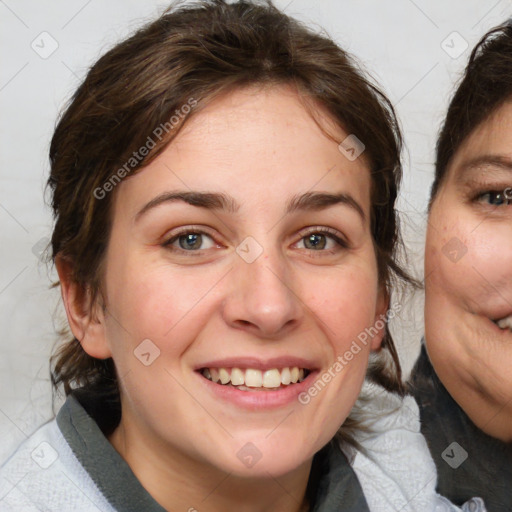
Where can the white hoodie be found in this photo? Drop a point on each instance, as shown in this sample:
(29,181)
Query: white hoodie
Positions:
(395,468)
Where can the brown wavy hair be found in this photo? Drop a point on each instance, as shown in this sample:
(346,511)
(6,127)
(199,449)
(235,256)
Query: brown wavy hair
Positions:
(199,50)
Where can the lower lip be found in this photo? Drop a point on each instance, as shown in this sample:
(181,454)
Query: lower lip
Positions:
(256,400)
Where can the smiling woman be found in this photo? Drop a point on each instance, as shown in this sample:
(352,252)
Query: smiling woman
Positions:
(224,276)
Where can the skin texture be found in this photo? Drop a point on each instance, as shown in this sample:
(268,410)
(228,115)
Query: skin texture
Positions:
(471,355)
(261,147)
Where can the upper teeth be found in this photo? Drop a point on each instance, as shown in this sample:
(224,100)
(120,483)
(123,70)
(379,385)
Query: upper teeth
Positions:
(505,323)
(253,378)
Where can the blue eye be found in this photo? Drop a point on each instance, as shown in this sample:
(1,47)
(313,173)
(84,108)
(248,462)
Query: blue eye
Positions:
(318,241)
(495,198)
(190,241)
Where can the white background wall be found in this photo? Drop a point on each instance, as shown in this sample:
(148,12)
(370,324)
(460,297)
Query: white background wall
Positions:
(400,42)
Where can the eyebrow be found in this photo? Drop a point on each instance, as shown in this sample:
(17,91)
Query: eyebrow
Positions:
(497,161)
(208,200)
(320,200)
(312,201)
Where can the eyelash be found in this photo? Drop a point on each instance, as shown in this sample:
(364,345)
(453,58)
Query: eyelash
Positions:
(317,230)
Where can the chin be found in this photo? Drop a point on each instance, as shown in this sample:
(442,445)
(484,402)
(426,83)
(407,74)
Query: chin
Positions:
(251,462)
(260,456)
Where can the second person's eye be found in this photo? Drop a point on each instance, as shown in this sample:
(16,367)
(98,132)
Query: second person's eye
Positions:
(495,198)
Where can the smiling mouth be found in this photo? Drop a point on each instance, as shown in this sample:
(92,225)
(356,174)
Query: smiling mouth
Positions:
(504,323)
(251,379)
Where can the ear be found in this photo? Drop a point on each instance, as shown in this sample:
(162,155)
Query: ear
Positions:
(380,320)
(86,320)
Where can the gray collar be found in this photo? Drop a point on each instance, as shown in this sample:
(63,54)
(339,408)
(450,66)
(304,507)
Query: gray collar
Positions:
(333,484)
(105,466)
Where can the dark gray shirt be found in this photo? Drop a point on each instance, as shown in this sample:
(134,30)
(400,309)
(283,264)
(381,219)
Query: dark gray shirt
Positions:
(487,470)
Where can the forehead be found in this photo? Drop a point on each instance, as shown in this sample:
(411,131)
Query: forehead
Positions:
(487,149)
(256,143)
(264,122)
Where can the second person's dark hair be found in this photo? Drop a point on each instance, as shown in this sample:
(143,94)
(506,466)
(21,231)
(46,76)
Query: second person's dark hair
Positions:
(485,86)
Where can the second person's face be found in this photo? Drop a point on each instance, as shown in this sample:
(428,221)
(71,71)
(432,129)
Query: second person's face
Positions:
(468,276)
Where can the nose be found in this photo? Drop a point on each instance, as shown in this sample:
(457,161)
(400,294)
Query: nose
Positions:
(261,299)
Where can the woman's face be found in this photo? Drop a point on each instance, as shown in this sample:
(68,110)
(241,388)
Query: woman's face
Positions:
(468,276)
(239,261)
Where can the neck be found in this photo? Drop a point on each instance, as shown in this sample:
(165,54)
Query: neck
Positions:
(178,483)
(491,416)
(489,411)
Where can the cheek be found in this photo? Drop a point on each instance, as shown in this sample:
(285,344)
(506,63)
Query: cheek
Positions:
(469,260)
(490,253)
(159,304)
(345,303)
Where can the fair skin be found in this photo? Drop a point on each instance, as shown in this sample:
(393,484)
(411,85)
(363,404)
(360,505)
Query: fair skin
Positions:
(466,299)
(299,304)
